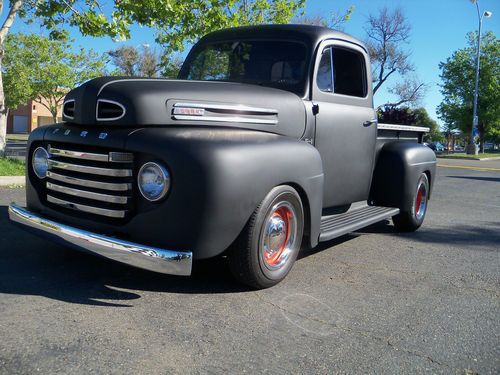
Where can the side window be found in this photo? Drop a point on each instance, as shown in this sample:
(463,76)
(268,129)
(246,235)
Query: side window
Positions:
(349,72)
(324,78)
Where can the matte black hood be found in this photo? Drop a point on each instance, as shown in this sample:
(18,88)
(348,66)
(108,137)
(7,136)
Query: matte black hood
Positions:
(132,102)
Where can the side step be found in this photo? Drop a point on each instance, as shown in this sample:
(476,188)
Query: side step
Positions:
(337,225)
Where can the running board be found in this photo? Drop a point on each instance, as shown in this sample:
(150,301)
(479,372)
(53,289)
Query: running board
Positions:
(337,225)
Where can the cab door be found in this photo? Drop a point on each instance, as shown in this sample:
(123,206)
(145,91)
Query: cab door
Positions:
(346,125)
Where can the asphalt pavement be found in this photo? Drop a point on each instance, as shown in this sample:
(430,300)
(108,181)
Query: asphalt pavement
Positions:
(371,302)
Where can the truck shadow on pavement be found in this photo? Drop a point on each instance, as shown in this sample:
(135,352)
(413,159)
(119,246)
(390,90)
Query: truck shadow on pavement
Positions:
(467,236)
(30,265)
(33,266)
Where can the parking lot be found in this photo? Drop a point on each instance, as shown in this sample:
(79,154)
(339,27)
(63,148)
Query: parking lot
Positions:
(371,302)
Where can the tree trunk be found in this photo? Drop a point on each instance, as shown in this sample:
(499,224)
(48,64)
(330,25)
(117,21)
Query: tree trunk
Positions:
(3,116)
(7,24)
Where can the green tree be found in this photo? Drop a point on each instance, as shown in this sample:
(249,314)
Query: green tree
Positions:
(422,118)
(178,22)
(170,65)
(458,75)
(49,69)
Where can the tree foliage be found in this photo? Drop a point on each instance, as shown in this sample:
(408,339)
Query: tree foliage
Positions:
(458,75)
(170,65)
(336,20)
(387,33)
(178,22)
(134,62)
(45,70)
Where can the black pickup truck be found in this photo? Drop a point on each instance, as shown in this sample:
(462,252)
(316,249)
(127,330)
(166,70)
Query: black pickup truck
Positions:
(267,142)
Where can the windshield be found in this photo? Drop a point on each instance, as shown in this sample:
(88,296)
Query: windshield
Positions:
(279,64)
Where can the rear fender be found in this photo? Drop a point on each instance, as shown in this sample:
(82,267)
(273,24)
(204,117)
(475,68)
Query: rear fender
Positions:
(397,169)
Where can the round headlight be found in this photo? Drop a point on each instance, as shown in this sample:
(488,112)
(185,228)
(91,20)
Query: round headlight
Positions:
(153,181)
(40,162)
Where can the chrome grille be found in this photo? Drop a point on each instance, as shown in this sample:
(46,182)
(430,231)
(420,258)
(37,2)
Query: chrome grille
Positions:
(97,183)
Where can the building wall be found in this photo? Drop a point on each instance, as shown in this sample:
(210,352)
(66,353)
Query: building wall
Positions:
(37,115)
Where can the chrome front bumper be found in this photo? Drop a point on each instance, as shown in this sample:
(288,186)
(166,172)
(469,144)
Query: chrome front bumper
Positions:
(146,257)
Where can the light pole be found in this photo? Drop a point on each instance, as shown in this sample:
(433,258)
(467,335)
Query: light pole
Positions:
(471,148)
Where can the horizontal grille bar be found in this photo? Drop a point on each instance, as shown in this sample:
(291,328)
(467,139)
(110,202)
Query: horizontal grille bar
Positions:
(117,157)
(87,194)
(90,170)
(84,208)
(89,183)
(77,154)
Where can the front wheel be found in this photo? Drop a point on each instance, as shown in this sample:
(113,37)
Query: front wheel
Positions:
(268,246)
(411,220)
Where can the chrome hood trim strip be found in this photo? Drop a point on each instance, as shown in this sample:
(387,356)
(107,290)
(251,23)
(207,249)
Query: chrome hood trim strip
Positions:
(216,112)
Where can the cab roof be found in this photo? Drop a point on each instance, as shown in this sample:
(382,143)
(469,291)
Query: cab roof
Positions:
(311,35)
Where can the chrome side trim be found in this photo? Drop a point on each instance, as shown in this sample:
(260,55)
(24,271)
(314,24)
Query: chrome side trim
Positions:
(64,104)
(89,183)
(111,102)
(90,170)
(87,194)
(119,214)
(245,120)
(423,163)
(150,258)
(228,107)
(77,155)
(403,128)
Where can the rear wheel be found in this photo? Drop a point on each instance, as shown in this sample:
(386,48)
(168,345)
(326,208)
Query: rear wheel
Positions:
(410,221)
(268,246)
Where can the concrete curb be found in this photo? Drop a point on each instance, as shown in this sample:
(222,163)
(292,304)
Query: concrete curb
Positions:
(12,180)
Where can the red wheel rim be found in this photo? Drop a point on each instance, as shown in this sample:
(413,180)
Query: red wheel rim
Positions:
(278,235)
(272,255)
(421,201)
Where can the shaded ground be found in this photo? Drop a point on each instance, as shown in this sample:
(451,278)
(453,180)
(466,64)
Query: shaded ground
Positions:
(373,301)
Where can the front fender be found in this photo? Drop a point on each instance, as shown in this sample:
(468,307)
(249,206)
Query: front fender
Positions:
(219,177)
(398,167)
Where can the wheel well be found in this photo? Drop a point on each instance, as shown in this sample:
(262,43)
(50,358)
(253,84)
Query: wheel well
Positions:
(428,174)
(305,206)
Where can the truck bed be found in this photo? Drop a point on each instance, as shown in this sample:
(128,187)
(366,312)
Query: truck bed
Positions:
(391,132)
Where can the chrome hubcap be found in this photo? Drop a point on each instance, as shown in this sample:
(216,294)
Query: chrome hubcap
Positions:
(279,234)
(421,201)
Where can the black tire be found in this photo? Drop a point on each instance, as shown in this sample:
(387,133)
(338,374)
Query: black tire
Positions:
(265,251)
(410,221)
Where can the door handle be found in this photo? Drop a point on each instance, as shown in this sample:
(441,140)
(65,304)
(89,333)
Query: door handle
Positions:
(370,122)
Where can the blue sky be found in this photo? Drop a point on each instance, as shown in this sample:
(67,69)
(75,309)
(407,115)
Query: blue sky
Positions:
(439,27)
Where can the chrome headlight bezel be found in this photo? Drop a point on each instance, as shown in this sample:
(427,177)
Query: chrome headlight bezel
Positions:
(41,174)
(161,171)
